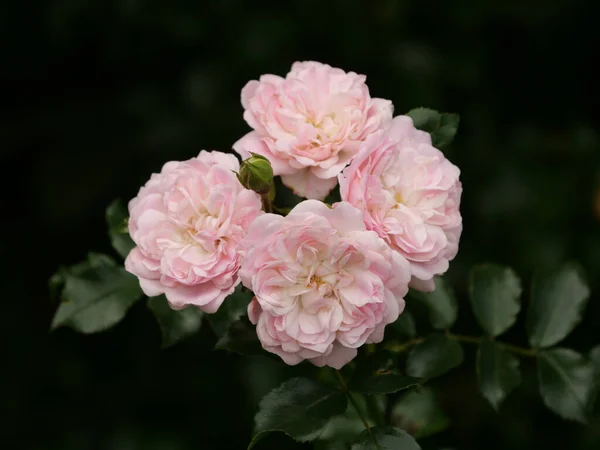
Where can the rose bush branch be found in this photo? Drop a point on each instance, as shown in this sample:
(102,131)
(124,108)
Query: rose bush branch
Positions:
(347,392)
(325,282)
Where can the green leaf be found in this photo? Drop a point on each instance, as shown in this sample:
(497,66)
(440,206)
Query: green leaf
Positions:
(234,307)
(96,295)
(385,438)
(558,299)
(440,303)
(566,381)
(434,356)
(344,428)
(300,407)
(497,372)
(419,413)
(334,196)
(175,325)
(404,326)
(595,357)
(441,126)
(377,374)
(116,219)
(495,292)
(241,338)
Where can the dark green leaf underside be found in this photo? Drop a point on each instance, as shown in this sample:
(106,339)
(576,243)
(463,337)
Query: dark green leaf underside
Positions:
(558,299)
(441,304)
(495,297)
(497,372)
(419,413)
(385,438)
(96,295)
(116,219)
(566,381)
(175,325)
(378,374)
(433,357)
(300,407)
(241,338)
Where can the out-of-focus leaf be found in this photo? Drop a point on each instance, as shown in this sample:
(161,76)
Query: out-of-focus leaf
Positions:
(234,307)
(116,219)
(558,299)
(385,438)
(96,295)
(434,356)
(440,303)
(495,292)
(419,413)
(241,338)
(497,371)
(441,126)
(404,326)
(378,374)
(175,325)
(300,407)
(566,381)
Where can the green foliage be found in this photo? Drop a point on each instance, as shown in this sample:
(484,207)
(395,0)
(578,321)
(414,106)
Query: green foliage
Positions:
(557,302)
(342,430)
(175,325)
(434,356)
(96,294)
(497,372)
(385,438)
(441,126)
(404,326)
(495,291)
(234,307)
(241,338)
(419,413)
(300,407)
(378,374)
(566,381)
(116,219)
(595,357)
(440,303)
(334,196)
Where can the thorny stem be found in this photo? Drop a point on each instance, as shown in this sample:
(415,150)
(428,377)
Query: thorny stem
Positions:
(463,338)
(266,201)
(399,348)
(396,347)
(346,391)
(532,352)
(282,211)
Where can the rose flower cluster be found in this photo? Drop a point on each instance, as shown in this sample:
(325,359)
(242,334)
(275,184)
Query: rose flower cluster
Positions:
(326,278)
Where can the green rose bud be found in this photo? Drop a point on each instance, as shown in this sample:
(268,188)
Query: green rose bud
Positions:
(256,174)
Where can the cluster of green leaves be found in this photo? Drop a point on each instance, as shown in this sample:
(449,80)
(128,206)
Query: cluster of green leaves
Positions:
(96,294)
(306,409)
(388,380)
(441,126)
(566,378)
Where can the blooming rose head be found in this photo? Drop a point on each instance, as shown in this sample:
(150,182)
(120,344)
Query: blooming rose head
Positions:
(323,284)
(409,194)
(310,123)
(187,223)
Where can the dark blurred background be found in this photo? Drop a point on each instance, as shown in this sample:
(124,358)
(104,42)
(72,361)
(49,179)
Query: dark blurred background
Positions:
(98,95)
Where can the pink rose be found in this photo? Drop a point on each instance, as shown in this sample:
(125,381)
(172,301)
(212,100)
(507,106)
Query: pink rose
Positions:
(310,123)
(188,222)
(323,284)
(409,194)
